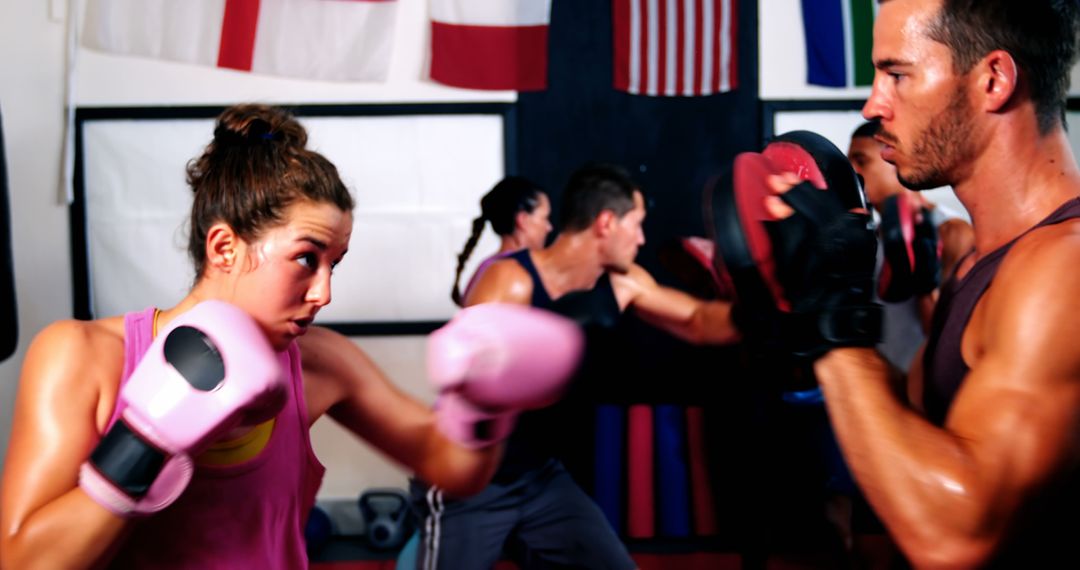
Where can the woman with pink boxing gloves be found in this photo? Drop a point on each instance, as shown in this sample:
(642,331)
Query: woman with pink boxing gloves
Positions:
(178,437)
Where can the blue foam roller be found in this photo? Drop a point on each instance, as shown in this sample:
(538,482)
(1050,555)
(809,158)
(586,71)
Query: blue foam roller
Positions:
(673,478)
(610,443)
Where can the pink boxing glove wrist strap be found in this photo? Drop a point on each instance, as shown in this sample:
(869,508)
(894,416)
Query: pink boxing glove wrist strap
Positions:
(127,460)
(129,476)
(469,425)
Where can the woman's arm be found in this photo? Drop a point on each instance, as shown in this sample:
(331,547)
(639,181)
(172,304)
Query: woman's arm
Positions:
(47,521)
(342,381)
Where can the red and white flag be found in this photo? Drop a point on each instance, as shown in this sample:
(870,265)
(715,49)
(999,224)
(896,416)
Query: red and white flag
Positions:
(675,47)
(343,40)
(490,44)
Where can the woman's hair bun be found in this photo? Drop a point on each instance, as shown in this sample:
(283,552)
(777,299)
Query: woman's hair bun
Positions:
(250,125)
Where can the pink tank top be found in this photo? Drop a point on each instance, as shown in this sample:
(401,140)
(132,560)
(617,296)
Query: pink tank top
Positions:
(249,515)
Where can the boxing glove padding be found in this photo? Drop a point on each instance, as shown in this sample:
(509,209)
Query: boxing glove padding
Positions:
(127,461)
(927,248)
(912,251)
(825,259)
(210,371)
(492,361)
(470,425)
(195,358)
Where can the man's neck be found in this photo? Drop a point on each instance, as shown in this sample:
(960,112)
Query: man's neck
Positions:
(571,263)
(1018,180)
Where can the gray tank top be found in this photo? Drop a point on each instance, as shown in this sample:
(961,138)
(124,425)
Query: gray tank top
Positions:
(1047,525)
(943,363)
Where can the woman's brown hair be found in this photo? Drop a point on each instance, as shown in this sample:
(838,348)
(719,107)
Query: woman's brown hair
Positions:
(257,165)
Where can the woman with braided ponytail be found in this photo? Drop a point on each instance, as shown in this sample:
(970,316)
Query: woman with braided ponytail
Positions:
(518,211)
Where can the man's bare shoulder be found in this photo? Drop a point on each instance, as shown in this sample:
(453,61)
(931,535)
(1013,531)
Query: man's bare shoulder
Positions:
(506,268)
(633,282)
(504,281)
(1053,249)
(634,272)
(1025,371)
(1030,307)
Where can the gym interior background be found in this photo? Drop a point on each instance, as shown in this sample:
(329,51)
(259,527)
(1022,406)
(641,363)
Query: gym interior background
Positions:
(672,145)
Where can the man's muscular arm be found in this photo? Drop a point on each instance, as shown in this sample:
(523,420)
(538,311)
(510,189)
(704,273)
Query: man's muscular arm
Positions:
(687,317)
(948,495)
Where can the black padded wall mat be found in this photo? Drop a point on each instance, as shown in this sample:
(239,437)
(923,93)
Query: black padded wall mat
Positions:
(9,321)
(671,145)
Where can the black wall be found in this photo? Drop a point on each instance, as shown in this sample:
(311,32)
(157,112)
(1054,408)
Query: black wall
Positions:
(671,145)
(9,328)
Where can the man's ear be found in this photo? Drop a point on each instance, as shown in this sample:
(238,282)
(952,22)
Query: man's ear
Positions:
(222,247)
(998,79)
(604,223)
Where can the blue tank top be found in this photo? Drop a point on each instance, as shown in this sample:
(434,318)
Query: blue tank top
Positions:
(540,297)
(532,445)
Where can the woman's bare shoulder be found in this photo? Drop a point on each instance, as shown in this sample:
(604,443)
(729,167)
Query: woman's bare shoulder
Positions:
(75,338)
(76,357)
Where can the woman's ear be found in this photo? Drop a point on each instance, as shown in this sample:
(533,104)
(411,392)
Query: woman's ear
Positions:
(222,246)
(520,219)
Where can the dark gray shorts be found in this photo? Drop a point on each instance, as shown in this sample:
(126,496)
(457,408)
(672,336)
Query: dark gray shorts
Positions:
(542,519)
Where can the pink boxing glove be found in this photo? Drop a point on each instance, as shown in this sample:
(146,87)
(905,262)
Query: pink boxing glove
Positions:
(211,370)
(492,361)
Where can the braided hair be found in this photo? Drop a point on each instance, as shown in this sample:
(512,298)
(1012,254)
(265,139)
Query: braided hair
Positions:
(500,207)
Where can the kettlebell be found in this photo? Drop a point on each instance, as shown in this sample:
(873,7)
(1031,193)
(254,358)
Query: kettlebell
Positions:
(386,517)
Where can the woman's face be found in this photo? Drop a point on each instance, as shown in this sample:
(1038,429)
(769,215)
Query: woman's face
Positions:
(536,225)
(286,275)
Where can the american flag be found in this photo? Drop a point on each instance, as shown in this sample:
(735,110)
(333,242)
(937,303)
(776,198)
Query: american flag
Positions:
(675,47)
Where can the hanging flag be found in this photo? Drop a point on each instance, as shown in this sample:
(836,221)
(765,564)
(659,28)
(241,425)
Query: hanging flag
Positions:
(839,39)
(343,40)
(490,44)
(675,47)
